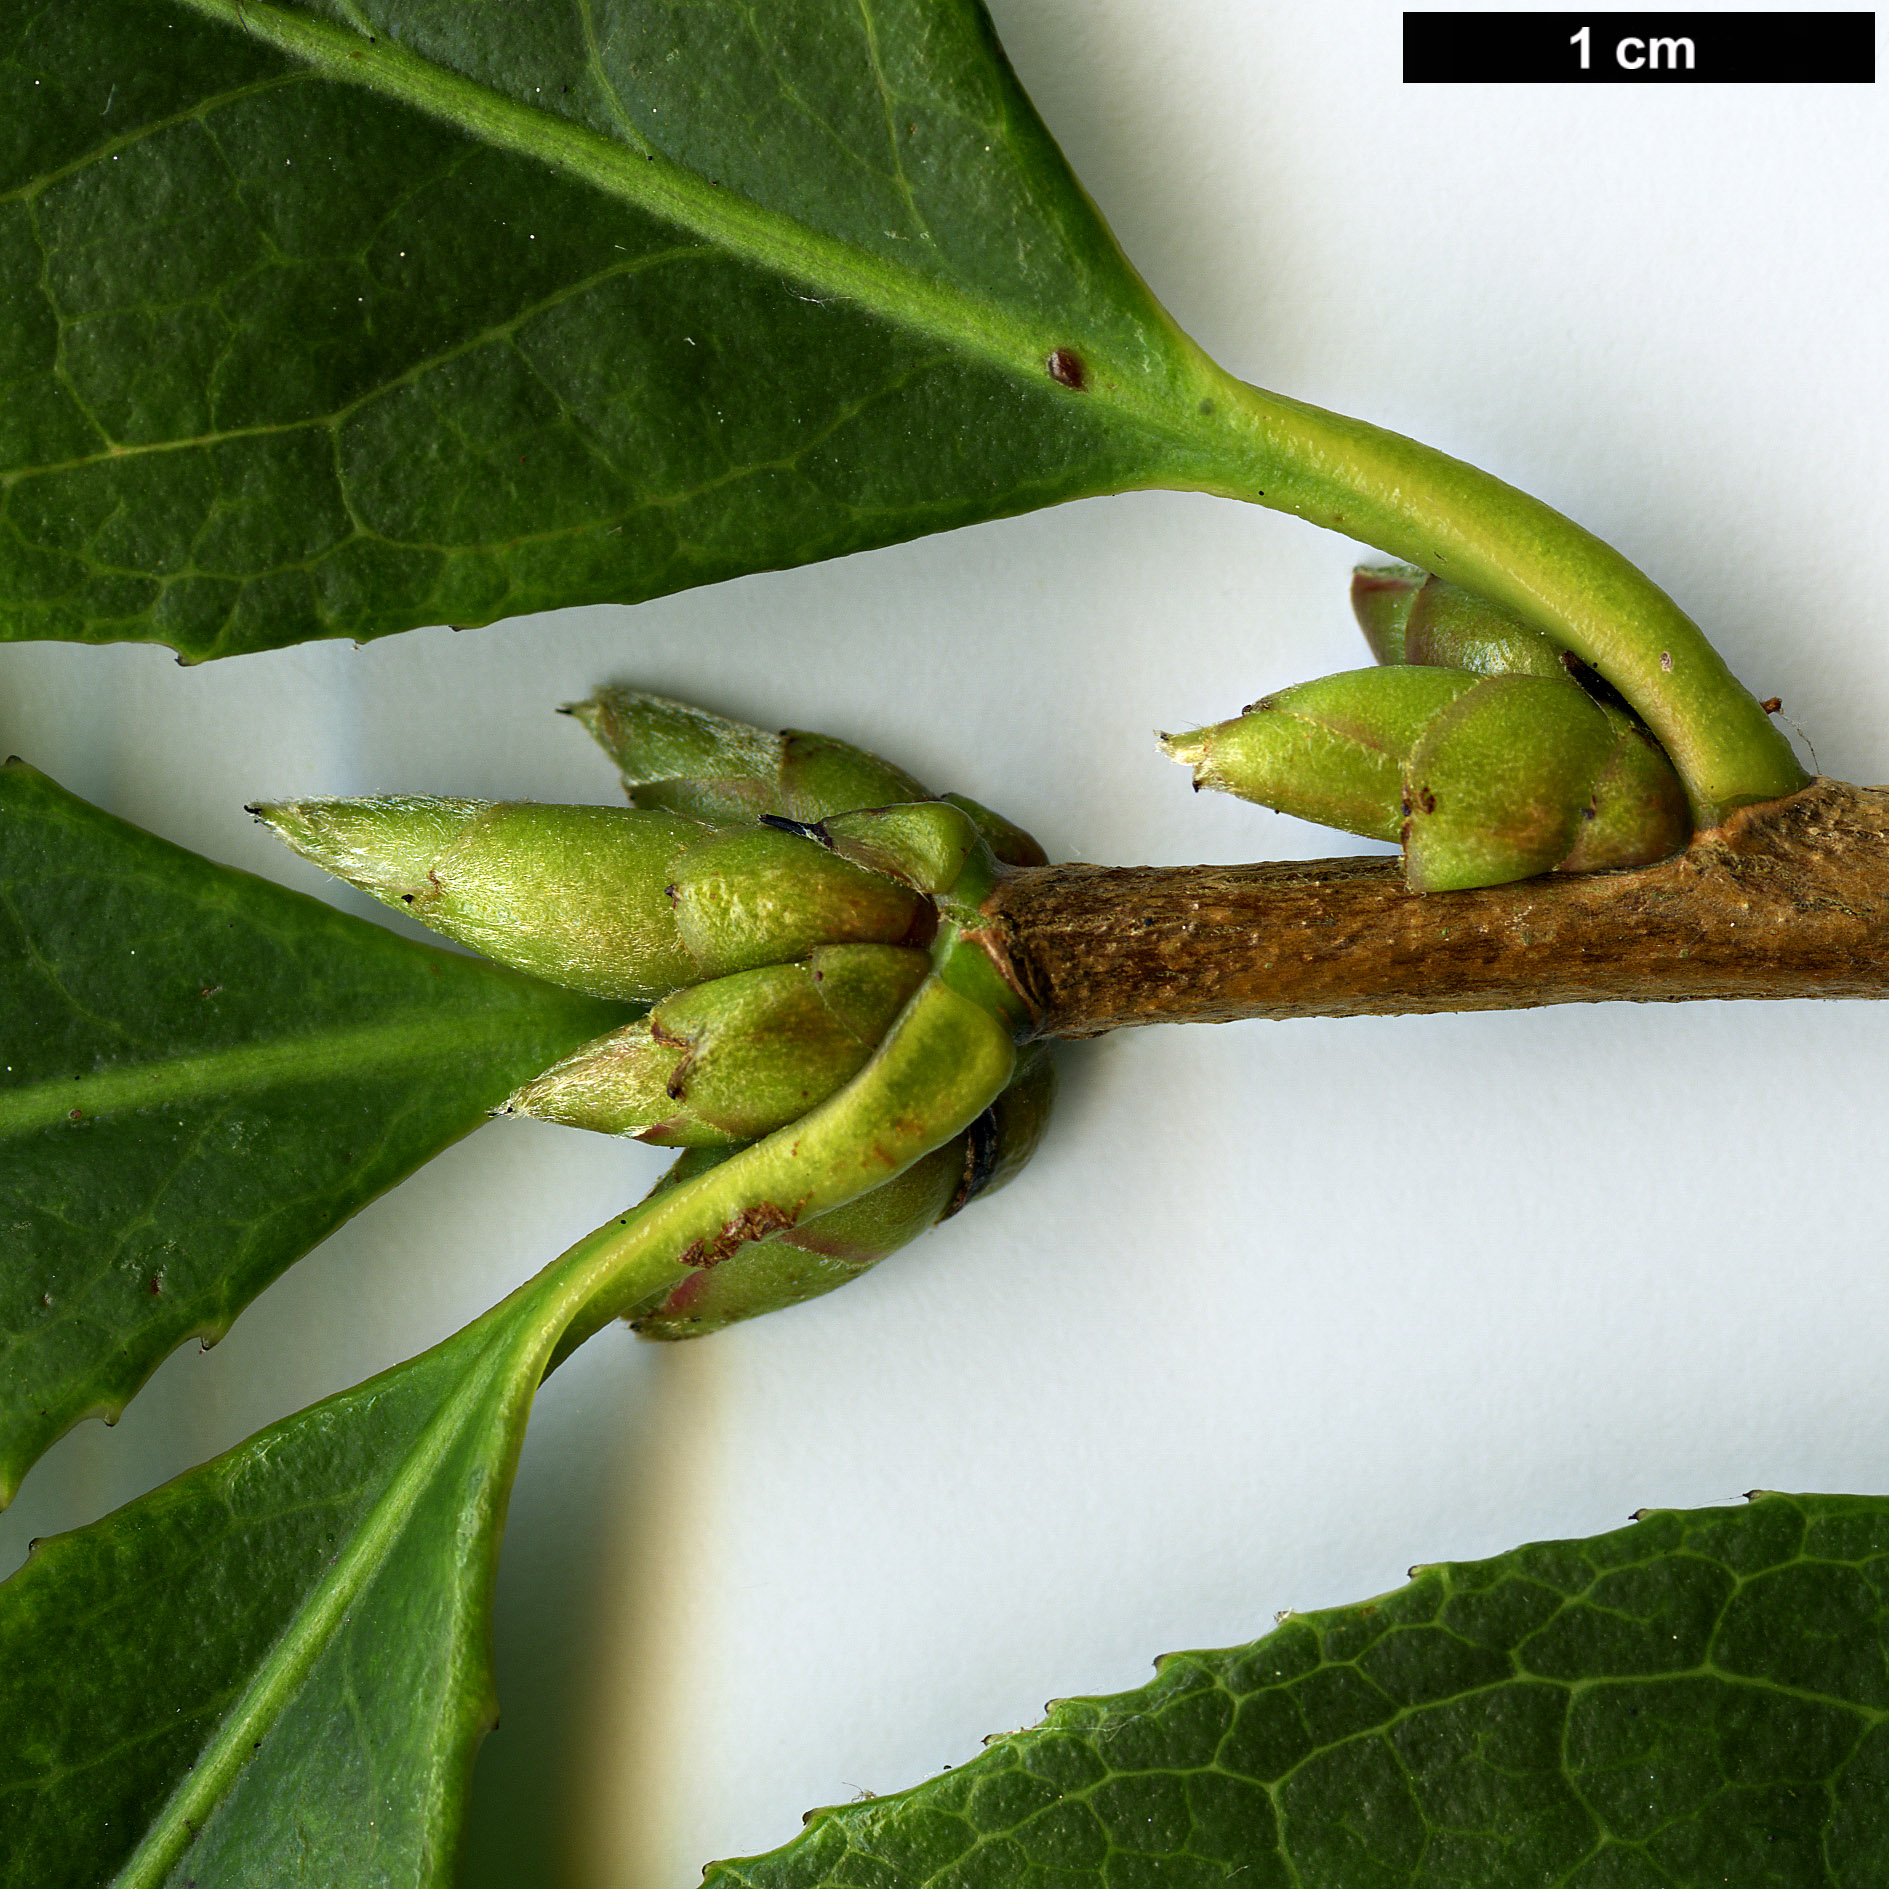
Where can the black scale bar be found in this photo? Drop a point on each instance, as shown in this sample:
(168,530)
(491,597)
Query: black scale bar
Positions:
(1640,48)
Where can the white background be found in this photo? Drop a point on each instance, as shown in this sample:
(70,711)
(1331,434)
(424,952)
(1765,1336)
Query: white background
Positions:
(1281,1308)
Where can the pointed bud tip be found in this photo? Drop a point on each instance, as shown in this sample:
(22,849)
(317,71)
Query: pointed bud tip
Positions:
(385,845)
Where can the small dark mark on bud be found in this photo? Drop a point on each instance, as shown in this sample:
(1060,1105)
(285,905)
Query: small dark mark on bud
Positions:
(45,1299)
(75,1115)
(157,1286)
(1427,801)
(804,829)
(406,898)
(981,1149)
(1666,660)
(1066,370)
(256,810)
(211,990)
(1404,806)
(1771,704)
(1588,811)
(669,892)
(1206,406)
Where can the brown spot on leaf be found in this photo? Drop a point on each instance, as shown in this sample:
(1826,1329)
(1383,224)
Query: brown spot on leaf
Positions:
(1066,369)
(1771,704)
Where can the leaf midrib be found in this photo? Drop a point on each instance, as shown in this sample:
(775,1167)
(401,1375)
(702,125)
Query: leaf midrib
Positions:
(650,182)
(522,1330)
(314,1056)
(309,1632)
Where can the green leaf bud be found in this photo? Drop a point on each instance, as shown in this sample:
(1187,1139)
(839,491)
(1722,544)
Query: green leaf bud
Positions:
(925,843)
(1483,779)
(676,756)
(1381,599)
(1332,751)
(576,895)
(864,987)
(1452,629)
(684,758)
(758,895)
(1008,842)
(821,776)
(1497,784)
(627,903)
(1638,812)
(762,1047)
(687,760)
(616,1084)
(825,1251)
(735,1058)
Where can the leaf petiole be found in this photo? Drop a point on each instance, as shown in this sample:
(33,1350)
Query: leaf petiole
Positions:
(1470,527)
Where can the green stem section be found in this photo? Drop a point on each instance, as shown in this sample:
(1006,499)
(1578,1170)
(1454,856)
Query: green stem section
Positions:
(943,1063)
(1422,505)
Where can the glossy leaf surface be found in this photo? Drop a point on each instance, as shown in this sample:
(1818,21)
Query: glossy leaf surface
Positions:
(332,319)
(203,1075)
(1702,1698)
(275,1668)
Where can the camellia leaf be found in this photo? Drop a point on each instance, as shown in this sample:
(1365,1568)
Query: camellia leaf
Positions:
(289,1643)
(276,1668)
(1702,1698)
(334,317)
(201,1074)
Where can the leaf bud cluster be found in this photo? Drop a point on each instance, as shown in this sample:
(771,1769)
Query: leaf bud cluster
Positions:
(772,899)
(1484,750)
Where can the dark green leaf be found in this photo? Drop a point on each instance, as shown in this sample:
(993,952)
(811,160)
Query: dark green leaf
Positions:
(275,1668)
(202,1075)
(1702,1698)
(334,317)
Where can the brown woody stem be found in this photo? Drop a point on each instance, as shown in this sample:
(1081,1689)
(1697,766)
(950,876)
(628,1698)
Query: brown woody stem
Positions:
(1789,899)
